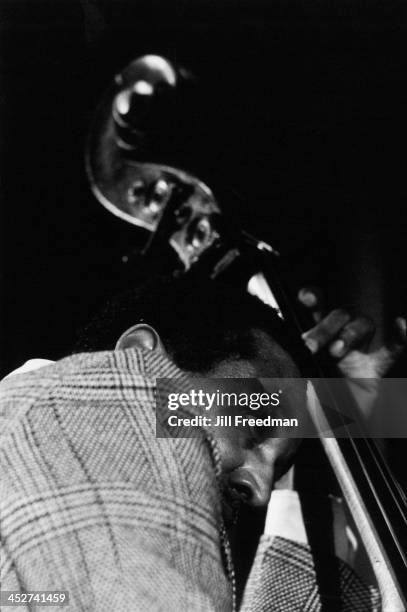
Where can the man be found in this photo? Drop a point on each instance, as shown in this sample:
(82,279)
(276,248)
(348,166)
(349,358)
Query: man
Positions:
(93,503)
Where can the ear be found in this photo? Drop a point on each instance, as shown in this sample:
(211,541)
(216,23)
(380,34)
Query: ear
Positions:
(141,336)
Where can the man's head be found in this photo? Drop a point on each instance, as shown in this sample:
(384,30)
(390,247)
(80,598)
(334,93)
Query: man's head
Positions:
(214,331)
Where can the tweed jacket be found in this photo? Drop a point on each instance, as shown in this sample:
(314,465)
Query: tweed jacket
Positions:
(93,503)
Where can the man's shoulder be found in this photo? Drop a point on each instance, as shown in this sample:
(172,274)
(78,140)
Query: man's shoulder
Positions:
(77,382)
(84,365)
(135,362)
(80,366)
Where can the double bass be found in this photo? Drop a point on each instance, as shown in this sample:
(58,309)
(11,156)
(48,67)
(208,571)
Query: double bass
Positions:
(130,175)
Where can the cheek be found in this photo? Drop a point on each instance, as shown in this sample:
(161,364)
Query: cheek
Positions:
(285,452)
(232,453)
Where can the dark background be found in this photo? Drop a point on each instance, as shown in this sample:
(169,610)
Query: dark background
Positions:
(308,113)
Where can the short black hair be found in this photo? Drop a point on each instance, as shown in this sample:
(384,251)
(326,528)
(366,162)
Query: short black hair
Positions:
(200,322)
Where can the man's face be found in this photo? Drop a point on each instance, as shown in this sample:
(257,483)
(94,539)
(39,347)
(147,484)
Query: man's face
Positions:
(252,460)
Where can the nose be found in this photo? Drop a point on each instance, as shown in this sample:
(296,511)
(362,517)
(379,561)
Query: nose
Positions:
(253,481)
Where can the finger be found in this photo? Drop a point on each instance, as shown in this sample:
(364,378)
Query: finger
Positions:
(311,298)
(325,331)
(398,340)
(355,334)
(387,355)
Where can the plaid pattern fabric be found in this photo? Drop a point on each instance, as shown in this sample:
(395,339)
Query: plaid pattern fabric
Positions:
(283,578)
(93,503)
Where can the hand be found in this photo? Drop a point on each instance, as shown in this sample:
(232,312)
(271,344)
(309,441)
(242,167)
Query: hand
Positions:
(347,339)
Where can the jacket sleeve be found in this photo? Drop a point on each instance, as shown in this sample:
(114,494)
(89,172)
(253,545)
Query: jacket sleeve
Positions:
(284,577)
